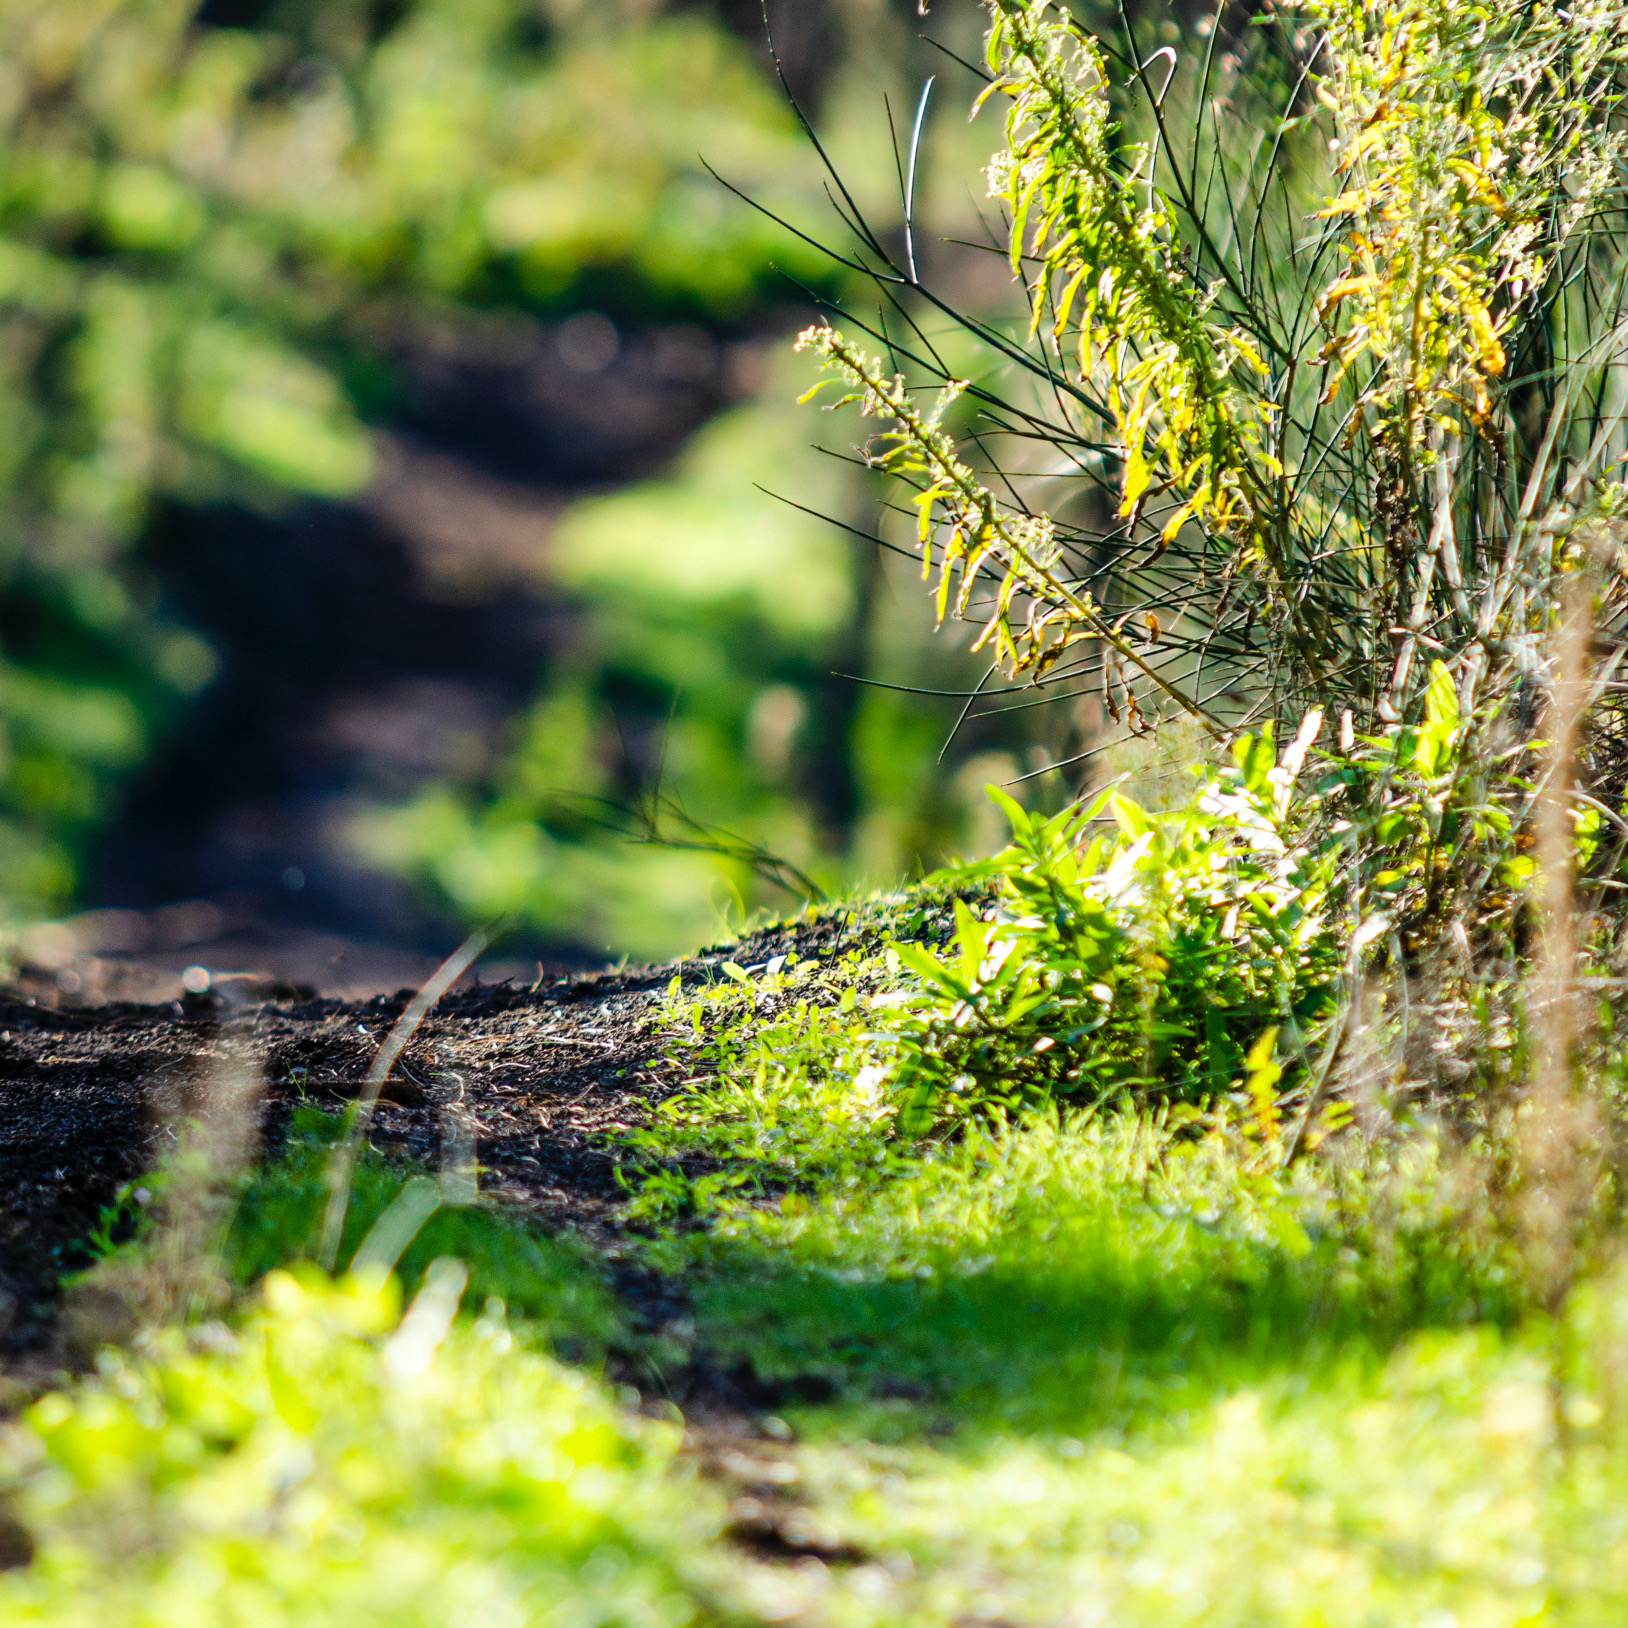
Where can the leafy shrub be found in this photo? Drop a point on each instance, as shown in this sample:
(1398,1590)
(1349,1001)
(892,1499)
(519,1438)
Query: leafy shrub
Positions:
(1154,956)
(1180,953)
(1369,401)
(1311,407)
(1159,956)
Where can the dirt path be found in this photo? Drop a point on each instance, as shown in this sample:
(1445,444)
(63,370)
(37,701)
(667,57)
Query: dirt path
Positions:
(93,1097)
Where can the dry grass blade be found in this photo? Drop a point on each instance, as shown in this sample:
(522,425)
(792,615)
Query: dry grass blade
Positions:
(344,1159)
(1560,1126)
(177,1274)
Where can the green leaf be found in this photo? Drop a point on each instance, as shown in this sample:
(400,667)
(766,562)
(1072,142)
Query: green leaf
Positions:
(1017,816)
(930,969)
(1441,700)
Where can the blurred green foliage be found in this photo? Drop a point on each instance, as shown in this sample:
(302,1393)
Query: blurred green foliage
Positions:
(333,1461)
(202,231)
(718,629)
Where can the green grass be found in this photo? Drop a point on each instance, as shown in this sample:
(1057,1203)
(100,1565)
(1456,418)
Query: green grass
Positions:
(1110,1370)
(549,1282)
(1356,1493)
(1079,1273)
(1103,1367)
(1118,1366)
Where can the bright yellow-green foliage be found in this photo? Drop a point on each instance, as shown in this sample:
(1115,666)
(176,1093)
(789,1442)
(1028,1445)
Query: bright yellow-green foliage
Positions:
(328,1462)
(1162,955)
(1425,1492)
(1099,1372)
(1103,254)
(979,528)
(1472,140)
(547,1283)
(1183,952)
(972,528)
(1134,345)
(1336,315)
(1004,1270)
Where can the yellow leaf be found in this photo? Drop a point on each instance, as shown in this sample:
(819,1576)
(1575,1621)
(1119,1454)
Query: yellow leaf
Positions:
(1138,476)
(1489,353)
(1173,525)
(1343,288)
(1366,142)
(1348,203)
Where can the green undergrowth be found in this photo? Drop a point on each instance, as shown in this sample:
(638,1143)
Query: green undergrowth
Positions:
(1110,953)
(1137,1333)
(1114,1320)
(1425,1489)
(1093,1271)
(1111,1365)
(306,1453)
(1118,1366)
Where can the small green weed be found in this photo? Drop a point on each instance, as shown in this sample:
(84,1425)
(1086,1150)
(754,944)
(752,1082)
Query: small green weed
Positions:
(127,1219)
(777,1084)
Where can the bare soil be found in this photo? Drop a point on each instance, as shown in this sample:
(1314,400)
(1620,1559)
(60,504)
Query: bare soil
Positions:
(91,1097)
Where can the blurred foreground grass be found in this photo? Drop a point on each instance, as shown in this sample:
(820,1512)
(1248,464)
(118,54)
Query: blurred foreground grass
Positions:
(327,1463)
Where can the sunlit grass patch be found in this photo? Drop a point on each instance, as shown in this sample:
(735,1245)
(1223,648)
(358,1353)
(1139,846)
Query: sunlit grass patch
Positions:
(774,1079)
(1114,1370)
(1421,1491)
(1081,1271)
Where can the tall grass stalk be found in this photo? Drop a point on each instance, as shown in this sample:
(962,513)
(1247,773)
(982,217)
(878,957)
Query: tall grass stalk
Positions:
(1561,1125)
(343,1163)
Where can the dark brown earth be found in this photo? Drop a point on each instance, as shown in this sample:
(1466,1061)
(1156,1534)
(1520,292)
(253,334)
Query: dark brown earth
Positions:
(91,1097)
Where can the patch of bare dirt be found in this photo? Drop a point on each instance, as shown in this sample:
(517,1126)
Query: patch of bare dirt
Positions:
(91,1097)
